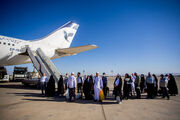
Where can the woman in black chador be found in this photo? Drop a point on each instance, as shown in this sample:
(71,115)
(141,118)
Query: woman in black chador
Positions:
(142,83)
(155,86)
(127,86)
(50,90)
(87,89)
(60,86)
(117,87)
(172,86)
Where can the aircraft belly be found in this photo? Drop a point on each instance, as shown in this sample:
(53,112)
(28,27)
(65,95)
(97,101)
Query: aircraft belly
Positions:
(16,60)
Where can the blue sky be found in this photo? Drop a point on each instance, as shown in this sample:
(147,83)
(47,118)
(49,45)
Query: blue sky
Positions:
(132,35)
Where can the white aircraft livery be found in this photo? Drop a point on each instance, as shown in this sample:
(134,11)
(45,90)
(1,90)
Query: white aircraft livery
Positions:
(54,45)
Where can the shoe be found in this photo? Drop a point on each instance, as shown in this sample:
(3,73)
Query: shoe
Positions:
(120,103)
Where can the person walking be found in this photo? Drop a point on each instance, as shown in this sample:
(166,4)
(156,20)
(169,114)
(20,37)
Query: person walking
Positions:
(105,82)
(50,87)
(60,86)
(91,83)
(66,80)
(98,85)
(163,85)
(127,86)
(117,88)
(150,85)
(79,84)
(133,78)
(142,83)
(172,86)
(155,85)
(87,88)
(137,86)
(43,83)
(72,86)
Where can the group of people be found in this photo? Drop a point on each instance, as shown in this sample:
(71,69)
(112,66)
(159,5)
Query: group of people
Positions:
(90,86)
(47,85)
(135,85)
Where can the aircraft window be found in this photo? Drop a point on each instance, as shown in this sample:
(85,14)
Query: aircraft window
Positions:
(0,42)
(4,43)
(8,43)
(12,44)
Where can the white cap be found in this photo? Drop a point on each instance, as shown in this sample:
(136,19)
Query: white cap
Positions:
(97,72)
(72,73)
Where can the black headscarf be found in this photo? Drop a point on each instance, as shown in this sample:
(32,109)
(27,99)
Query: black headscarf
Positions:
(61,85)
(172,86)
(51,87)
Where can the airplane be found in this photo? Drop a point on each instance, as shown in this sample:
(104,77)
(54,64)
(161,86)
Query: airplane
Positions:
(55,45)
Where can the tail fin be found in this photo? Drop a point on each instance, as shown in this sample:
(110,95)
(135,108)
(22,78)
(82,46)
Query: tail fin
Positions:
(63,36)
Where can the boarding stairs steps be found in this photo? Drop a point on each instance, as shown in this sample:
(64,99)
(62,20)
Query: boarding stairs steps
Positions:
(43,64)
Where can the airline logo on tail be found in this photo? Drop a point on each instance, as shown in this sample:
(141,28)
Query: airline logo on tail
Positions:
(67,35)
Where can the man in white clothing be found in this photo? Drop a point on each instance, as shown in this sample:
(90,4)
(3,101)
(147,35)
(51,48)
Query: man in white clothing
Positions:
(133,78)
(43,82)
(66,81)
(71,84)
(98,85)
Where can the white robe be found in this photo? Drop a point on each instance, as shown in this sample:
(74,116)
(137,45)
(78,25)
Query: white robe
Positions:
(132,84)
(97,87)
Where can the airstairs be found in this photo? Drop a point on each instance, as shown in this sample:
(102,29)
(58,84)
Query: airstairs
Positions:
(43,64)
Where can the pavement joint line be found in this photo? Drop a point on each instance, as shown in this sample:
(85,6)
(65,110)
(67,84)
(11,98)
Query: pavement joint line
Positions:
(13,104)
(103,112)
(175,100)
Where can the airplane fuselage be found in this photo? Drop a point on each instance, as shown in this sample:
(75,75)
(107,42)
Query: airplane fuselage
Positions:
(54,45)
(11,48)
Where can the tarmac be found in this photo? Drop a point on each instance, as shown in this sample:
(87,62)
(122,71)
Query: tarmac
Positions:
(26,103)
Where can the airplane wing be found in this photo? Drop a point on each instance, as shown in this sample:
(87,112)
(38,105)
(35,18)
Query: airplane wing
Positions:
(73,50)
